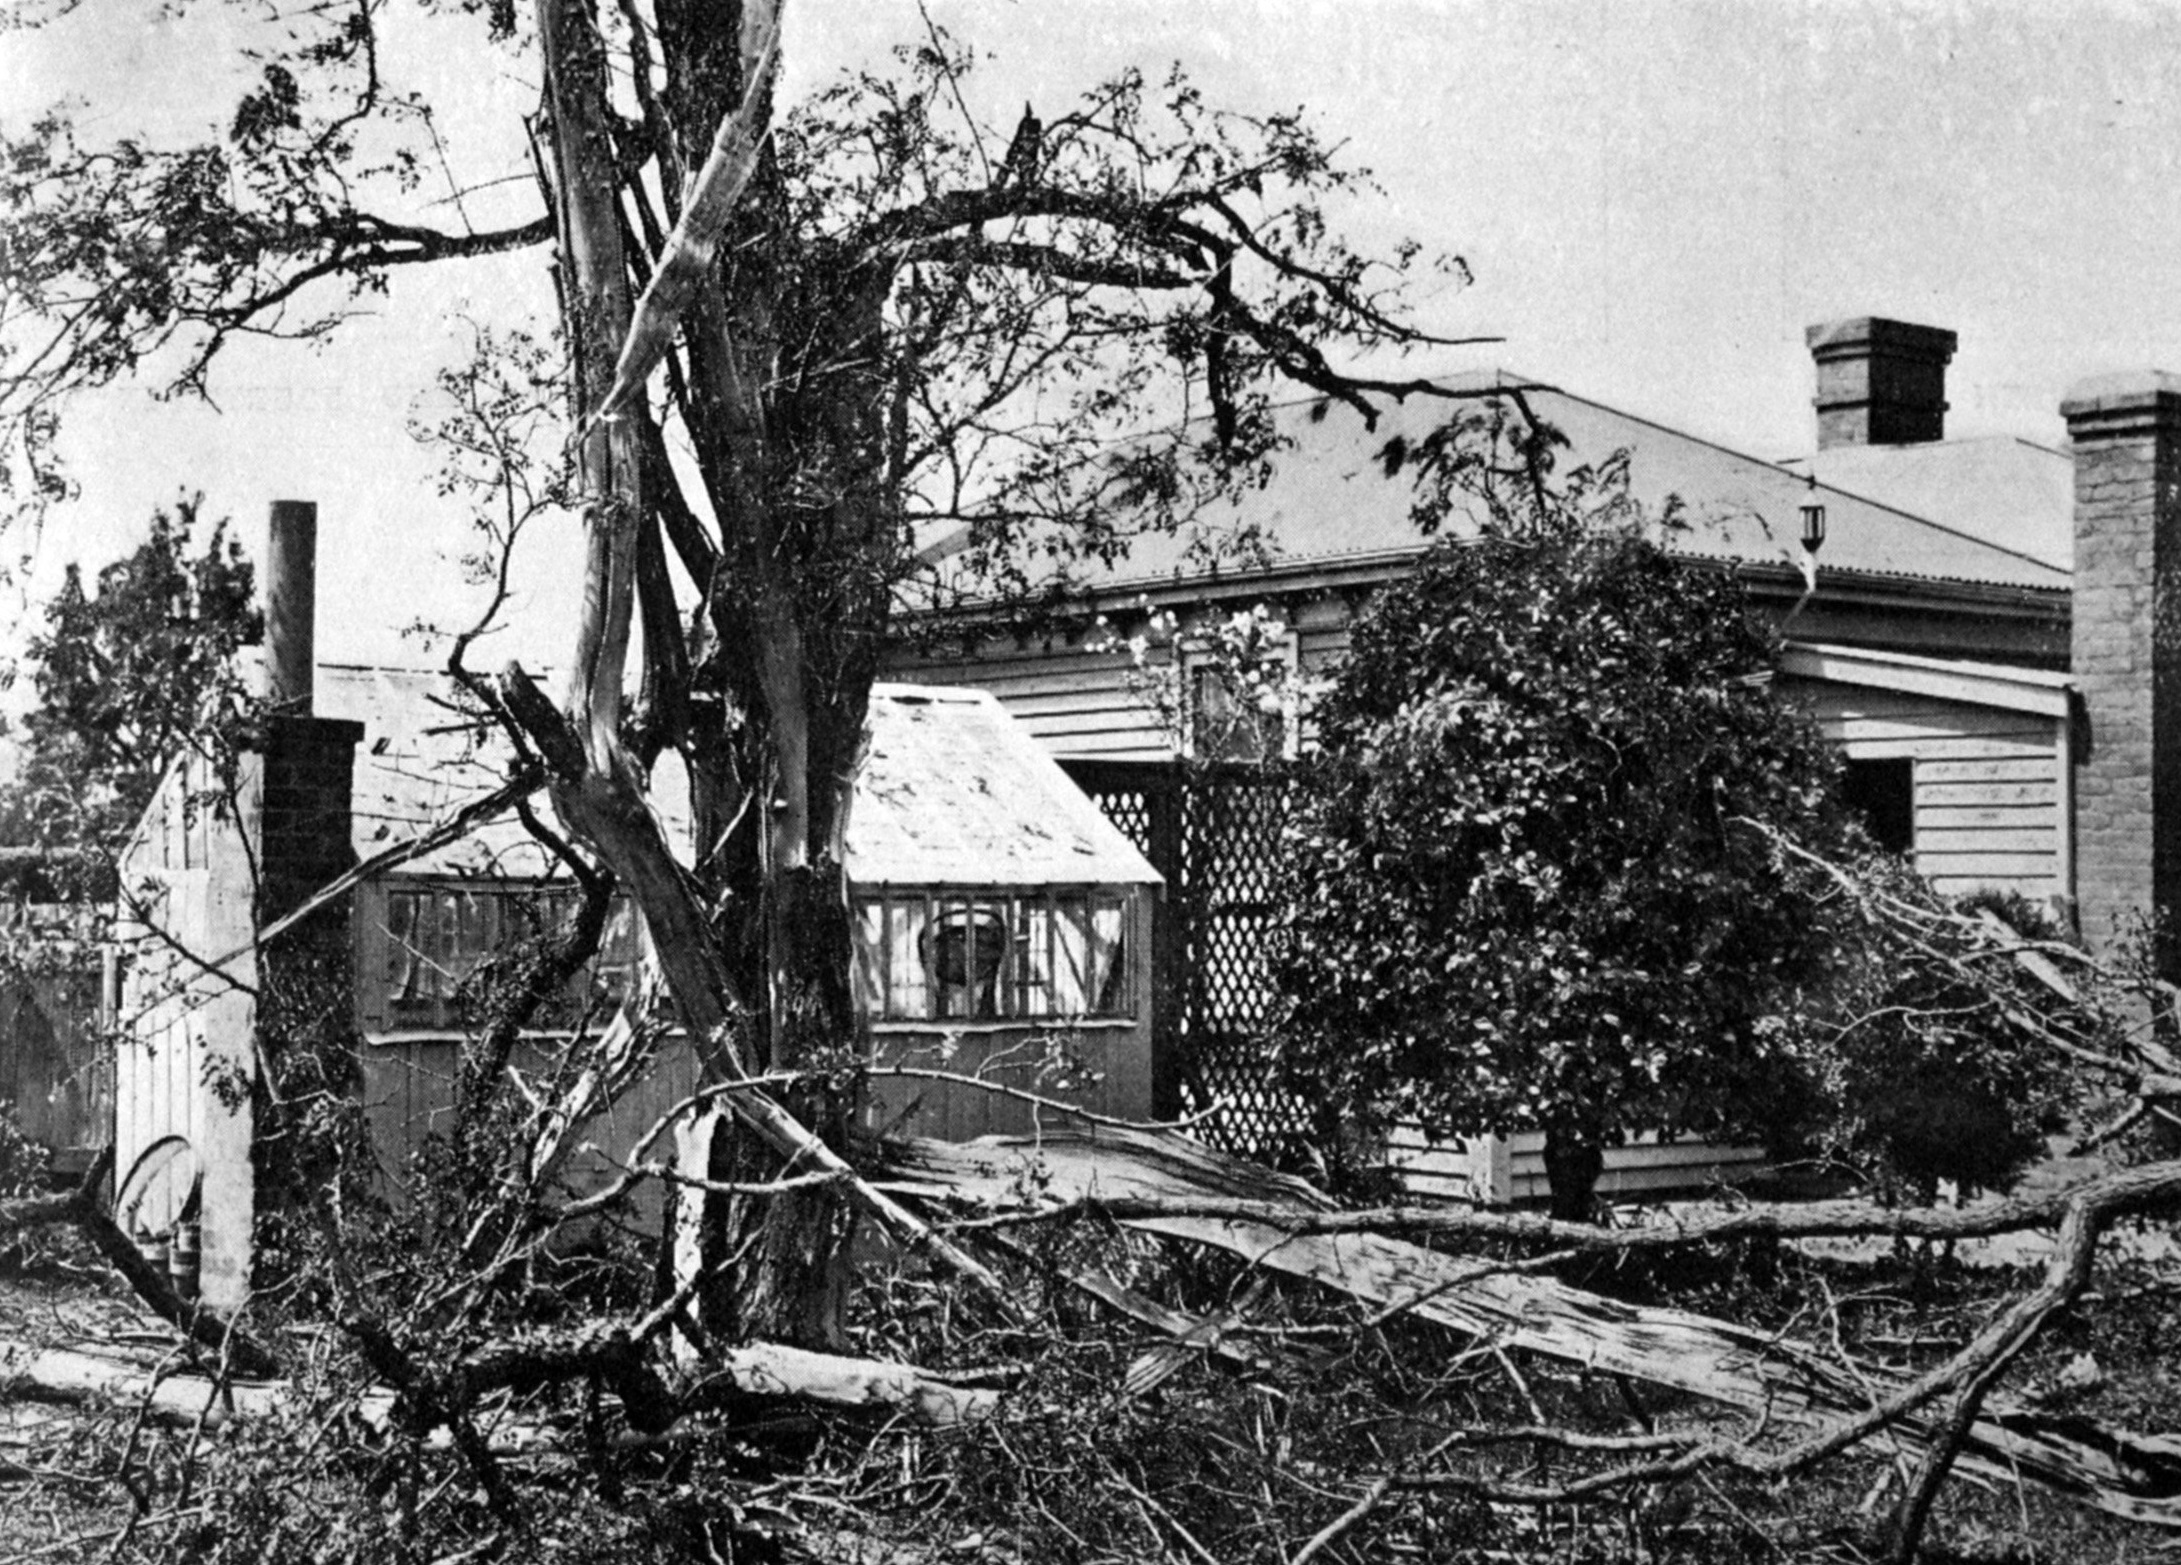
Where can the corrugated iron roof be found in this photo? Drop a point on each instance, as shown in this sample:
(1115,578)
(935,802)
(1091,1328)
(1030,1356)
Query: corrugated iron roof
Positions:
(2011,493)
(423,757)
(954,791)
(1997,514)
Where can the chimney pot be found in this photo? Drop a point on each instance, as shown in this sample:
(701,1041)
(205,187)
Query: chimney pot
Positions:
(1879,382)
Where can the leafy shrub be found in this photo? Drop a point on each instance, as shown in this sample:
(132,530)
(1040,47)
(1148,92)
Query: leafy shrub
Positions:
(1525,893)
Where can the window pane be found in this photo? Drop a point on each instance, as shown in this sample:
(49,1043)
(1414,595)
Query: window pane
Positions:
(1230,725)
(871,973)
(923,956)
(1109,973)
(418,938)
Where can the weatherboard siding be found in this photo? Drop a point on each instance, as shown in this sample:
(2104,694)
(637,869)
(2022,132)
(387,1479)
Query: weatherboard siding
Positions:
(1086,703)
(1511,1169)
(1989,791)
(188,1021)
(1076,702)
(410,1083)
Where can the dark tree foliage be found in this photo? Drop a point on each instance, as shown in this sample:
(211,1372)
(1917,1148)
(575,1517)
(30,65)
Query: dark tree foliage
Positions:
(128,674)
(1524,897)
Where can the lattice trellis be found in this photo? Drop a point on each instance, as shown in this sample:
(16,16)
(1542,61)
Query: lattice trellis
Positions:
(1214,833)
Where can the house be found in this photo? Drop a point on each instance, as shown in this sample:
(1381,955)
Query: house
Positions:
(1982,638)
(1003,926)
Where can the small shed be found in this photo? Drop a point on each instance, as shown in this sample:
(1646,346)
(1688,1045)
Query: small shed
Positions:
(1003,924)
(1003,929)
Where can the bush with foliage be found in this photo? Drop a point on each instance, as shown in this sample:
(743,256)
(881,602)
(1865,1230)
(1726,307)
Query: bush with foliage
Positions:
(1564,863)
(1524,896)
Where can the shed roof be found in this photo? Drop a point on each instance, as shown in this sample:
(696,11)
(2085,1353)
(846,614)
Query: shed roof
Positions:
(953,792)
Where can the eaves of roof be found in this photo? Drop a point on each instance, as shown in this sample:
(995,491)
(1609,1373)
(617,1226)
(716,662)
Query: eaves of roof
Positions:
(2000,685)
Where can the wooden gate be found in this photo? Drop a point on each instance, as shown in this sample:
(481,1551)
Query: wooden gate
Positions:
(1213,831)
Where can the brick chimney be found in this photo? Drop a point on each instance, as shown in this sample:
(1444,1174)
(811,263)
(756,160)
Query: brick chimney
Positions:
(2126,431)
(1879,382)
(309,760)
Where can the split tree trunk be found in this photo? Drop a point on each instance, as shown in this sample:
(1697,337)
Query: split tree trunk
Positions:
(757,956)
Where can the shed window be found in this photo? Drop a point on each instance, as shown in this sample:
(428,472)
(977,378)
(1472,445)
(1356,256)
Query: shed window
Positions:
(422,940)
(928,956)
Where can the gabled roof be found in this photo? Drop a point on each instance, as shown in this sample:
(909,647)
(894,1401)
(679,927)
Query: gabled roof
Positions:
(421,759)
(1330,503)
(953,792)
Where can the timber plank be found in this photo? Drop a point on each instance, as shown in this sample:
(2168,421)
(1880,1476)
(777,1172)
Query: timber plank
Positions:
(2040,766)
(1988,866)
(1943,842)
(1974,749)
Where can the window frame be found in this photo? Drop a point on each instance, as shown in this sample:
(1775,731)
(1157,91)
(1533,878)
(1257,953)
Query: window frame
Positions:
(875,968)
(378,1015)
(1193,659)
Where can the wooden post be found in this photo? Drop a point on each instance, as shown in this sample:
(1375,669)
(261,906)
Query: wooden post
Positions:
(291,606)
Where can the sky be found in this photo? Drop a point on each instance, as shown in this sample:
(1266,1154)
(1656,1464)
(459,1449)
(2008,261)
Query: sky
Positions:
(1655,200)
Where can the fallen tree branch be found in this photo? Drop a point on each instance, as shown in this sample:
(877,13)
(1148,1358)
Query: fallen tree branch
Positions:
(74,1376)
(1777,1381)
(83,1207)
(614,817)
(752,1374)
(2130,1192)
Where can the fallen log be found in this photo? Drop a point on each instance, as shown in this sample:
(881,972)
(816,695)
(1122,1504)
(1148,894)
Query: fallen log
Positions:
(753,1373)
(80,1376)
(2128,1474)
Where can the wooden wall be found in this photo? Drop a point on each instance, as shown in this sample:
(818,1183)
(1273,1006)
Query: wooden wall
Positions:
(1511,1169)
(1074,700)
(1101,1066)
(1990,783)
(187,1011)
(1079,702)
(409,1089)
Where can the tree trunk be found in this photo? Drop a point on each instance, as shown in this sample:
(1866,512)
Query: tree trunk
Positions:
(784,375)
(1574,1158)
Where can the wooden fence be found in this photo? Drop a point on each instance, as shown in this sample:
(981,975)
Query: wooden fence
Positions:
(56,1074)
